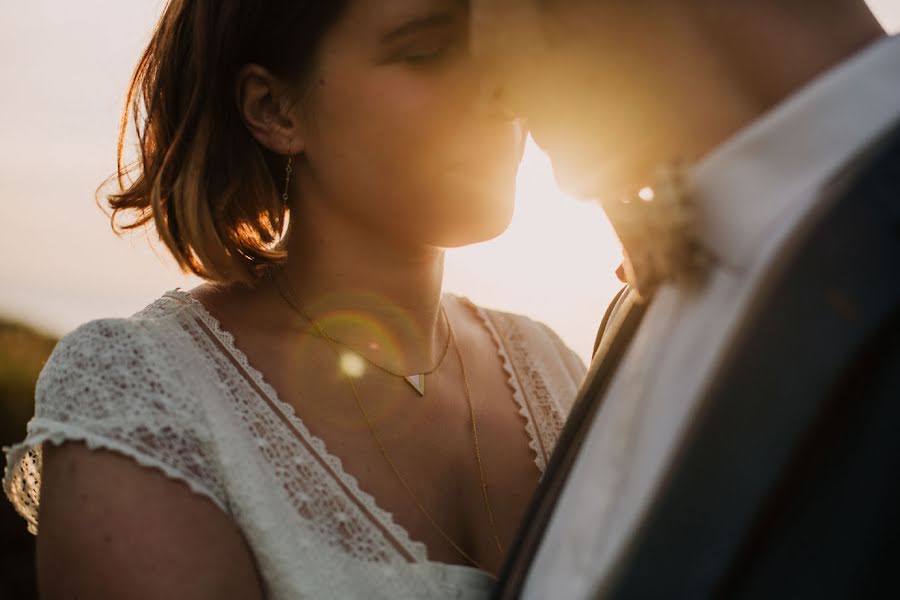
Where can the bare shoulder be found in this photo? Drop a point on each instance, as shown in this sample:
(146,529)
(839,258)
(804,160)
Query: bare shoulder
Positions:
(111,528)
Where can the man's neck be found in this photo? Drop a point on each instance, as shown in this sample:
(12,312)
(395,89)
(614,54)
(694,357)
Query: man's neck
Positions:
(772,51)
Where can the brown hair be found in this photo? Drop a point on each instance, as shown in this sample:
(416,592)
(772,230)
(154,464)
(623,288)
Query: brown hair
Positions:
(206,184)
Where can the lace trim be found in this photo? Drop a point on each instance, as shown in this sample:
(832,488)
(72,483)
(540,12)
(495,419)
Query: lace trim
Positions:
(512,379)
(416,549)
(546,410)
(22,474)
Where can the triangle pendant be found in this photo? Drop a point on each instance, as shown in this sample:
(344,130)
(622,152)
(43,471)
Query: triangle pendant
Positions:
(417,382)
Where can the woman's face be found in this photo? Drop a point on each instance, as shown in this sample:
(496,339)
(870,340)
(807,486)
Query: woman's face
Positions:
(403,134)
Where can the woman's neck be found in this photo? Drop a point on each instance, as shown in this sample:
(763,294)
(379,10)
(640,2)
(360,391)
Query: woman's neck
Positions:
(380,297)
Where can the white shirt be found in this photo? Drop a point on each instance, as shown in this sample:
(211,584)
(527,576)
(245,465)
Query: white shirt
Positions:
(752,193)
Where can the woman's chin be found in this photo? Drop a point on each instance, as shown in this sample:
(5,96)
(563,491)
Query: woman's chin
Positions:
(484,235)
(473,213)
(476,231)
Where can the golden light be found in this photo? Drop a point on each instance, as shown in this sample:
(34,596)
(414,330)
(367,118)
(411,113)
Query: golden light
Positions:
(646,194)
(556,263)
(352,365)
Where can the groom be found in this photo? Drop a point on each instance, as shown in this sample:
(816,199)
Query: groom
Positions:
(738,434)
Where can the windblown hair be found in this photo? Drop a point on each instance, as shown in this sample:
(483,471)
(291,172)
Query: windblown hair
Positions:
(207,186)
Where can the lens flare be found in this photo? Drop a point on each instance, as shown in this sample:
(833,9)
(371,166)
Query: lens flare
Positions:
(352,365)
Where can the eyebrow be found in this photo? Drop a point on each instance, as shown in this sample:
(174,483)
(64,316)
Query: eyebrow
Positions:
(420,23)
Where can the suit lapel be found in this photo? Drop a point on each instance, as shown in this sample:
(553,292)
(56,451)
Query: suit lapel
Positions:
(832,292)
(617,330)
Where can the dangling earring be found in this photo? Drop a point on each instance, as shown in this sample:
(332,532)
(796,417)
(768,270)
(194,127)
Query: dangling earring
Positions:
(287,177)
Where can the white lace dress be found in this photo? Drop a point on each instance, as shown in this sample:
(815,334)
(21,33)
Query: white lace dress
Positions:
(169,388)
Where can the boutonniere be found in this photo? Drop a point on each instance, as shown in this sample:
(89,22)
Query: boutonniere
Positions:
(657,227)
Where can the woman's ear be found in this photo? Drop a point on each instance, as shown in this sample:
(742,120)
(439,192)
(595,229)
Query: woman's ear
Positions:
(266,110)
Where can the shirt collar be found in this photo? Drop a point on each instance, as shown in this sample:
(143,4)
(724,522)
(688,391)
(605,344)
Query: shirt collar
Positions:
(746,188)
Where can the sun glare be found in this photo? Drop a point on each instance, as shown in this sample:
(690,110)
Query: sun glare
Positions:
(352,365)
(646,194)
(555,263)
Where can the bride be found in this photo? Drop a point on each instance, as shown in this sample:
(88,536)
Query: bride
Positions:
(318,419)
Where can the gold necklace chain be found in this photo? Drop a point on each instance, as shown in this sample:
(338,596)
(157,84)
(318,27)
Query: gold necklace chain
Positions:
(416,380)
(289,298)
(487,502)
(324,334)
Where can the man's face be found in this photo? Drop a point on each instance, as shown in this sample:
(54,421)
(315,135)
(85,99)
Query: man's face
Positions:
(600,83)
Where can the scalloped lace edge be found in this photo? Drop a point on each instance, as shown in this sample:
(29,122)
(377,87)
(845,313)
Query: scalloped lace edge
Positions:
(416,549)
(58,433)
(513,382)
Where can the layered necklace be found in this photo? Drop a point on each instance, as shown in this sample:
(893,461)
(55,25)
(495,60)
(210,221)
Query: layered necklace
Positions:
(289,297)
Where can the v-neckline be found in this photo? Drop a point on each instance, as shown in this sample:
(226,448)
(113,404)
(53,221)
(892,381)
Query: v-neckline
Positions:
(415,548)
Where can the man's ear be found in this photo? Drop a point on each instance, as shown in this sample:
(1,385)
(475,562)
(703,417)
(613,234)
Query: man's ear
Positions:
(266,110)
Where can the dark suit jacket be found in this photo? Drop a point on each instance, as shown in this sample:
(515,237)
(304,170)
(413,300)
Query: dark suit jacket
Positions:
(789,483)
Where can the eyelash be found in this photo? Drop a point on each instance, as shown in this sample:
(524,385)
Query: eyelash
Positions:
(424,58)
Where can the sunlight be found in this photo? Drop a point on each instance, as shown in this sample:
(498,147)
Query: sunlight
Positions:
(555,263)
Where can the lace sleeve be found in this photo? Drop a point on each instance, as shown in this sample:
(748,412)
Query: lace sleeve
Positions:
(112,384)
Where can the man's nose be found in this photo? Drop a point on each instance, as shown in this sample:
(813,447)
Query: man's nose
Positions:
(496,96)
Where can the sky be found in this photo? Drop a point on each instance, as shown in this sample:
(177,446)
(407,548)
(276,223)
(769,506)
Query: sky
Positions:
(64,68)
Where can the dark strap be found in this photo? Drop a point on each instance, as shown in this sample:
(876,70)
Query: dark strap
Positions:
(782,391)
(537,516)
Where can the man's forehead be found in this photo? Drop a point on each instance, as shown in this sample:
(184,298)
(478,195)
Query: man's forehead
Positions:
(511,29)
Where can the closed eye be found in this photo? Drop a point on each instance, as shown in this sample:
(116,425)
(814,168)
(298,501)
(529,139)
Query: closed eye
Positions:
(427,39)
(423,57)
